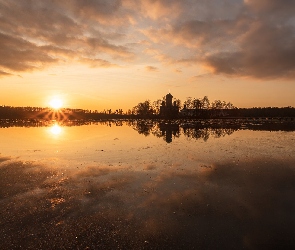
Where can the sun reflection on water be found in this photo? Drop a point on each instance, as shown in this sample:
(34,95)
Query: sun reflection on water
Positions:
(55,129)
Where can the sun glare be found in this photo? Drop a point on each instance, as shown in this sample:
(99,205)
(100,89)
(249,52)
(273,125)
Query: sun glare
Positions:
(55,129)
(56,103)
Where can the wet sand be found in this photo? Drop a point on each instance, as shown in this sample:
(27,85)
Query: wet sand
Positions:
(249,205)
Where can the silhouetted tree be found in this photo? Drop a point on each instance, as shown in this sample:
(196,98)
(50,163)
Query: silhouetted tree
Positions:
(189,103)
(217,104)
(177,102)
(143,109)
(229,105)
(197,103)
(205,103)
(156,106)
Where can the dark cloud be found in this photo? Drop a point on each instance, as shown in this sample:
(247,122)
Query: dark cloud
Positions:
(37,20)
(194,33)
(231,37)
(38,34)
(272,9)
(257,42)
(102,46)
(17,54)
(265,52)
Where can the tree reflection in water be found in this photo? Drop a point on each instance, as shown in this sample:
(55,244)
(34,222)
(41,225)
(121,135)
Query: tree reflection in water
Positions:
(204,129)
(142,199)
(168,129)
(173,129)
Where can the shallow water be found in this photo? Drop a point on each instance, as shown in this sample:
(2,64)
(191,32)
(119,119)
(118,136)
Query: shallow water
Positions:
(146,186)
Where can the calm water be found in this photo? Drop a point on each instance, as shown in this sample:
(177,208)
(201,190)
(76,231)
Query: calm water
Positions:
(143,185)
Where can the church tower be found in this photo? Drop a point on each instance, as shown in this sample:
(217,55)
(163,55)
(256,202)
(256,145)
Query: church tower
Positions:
(169,98)
(169,109)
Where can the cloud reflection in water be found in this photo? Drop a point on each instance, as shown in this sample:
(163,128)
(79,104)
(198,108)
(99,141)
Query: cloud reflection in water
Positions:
(230,193)
(233,207)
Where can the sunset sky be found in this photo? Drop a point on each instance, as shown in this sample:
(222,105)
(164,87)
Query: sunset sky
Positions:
(102,54)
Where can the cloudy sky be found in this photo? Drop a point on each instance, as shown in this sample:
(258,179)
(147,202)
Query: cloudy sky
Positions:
(100,54)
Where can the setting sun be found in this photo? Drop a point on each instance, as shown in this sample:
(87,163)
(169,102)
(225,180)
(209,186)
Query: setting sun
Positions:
(56,103)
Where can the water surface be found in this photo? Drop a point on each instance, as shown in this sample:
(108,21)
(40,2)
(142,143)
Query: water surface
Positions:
(145,185)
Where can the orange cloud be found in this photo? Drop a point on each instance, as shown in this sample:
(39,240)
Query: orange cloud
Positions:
(247,38)
(2,74)
(156,9)
(151,68)
(97,63)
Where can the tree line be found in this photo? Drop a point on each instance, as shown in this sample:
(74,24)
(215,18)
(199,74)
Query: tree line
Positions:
(203,108)
(190,108)
(152,108)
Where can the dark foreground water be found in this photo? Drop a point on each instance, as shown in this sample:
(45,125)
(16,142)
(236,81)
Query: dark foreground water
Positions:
(143,185)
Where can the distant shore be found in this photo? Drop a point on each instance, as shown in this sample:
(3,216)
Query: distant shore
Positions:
(64,114)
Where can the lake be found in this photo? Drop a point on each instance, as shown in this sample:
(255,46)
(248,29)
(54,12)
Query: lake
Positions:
(147,185)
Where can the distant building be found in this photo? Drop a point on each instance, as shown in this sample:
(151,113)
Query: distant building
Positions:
(169,109)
